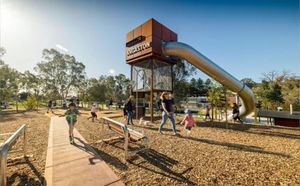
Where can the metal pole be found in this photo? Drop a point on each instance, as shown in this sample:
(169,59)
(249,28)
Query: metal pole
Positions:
(4,149)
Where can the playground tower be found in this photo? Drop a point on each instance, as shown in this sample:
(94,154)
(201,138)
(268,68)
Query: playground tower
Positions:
(151,71)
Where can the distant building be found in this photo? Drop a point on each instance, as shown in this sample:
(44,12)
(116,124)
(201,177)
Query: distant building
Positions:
(194,103)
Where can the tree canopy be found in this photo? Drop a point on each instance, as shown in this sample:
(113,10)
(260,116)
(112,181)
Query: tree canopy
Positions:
(60,73)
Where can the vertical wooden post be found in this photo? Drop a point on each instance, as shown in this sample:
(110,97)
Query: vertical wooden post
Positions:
(151,93)
(126,145)
(226,109)
(136,96)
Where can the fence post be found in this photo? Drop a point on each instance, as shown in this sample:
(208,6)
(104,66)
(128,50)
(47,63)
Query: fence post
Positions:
(24,143)
(3,165)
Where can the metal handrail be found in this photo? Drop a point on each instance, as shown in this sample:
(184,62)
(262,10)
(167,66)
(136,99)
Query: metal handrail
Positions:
(4,150)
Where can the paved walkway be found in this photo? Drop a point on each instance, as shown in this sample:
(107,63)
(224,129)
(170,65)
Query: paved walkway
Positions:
(74,165)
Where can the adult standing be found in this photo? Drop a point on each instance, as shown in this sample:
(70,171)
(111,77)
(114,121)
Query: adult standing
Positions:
(167,112)
(49,105)
(110,103)
(129,107)
(77,102)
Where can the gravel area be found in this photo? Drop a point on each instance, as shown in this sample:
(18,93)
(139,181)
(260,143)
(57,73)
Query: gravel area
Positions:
(27,171)
(212,155)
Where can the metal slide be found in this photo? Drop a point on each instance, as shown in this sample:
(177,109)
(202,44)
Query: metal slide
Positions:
(204,64)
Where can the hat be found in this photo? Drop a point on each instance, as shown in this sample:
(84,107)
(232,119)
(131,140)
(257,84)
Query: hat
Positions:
(187,111)
(72,105)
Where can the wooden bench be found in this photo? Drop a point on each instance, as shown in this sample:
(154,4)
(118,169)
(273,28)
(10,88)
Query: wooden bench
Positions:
(129,135)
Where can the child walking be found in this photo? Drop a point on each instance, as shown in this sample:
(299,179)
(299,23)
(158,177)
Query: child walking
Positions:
(71,117)
(93,113)
(188,121)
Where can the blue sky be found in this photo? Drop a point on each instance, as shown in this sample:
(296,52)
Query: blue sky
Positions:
(245,37)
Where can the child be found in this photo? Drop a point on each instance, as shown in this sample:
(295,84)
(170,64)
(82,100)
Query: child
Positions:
(188,121)
(236,113)
(93,113)
(207,109)
(71,117)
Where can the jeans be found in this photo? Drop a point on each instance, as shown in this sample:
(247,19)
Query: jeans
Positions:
(130,117)
(164,120)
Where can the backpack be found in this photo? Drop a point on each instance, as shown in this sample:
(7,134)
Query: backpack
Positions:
(159,105)
(126,105)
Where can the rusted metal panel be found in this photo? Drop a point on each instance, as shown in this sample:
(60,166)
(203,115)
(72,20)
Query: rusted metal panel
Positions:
(145,41)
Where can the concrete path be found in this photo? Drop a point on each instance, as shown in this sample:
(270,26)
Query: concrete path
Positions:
(74,165)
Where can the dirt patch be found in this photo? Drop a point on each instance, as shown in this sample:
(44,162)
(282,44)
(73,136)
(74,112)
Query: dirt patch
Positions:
(27,171)
(212,155)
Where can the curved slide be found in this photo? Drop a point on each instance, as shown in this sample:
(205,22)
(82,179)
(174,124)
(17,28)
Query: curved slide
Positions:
(204,64)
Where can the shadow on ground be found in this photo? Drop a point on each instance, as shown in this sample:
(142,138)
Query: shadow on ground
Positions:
(27,180)
(164,164)
(114,161)
(253,129)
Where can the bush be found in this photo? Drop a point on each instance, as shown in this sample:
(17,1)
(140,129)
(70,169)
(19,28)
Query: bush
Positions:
(31,103)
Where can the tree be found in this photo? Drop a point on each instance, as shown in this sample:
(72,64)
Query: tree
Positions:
(122,87)
(291,92)
(110,83)
(106,87)
(97,90)
(181,90)
(2,52)
(278,89)
(193,88)
(197,87)
(9,82)
(181,71)
(31,83)
(274,95)
(60,73)
(249,82)
(215,91)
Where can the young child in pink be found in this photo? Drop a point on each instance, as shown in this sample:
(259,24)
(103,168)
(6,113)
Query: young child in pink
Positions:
(188,121)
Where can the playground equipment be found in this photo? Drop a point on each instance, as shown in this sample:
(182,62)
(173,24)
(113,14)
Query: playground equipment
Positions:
(204,64)
(129,135)
(152,49)
(5,149)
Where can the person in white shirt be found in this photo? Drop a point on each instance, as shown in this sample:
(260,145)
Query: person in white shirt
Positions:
(93,113)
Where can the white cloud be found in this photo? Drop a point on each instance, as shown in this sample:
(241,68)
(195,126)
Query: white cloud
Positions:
(111,71)
(61,48)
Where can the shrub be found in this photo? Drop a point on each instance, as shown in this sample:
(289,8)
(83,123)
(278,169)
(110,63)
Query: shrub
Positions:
(31,103)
